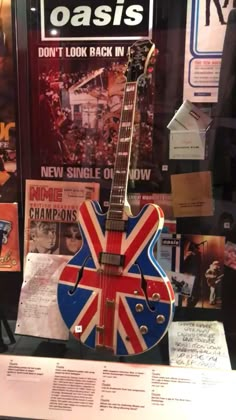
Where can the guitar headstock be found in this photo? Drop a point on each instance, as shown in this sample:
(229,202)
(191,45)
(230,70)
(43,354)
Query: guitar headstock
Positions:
(141,57)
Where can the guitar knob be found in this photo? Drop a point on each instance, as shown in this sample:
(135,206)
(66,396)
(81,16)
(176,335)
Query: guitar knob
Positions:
(139,307)
(160,319)
(143,329)
(156,297)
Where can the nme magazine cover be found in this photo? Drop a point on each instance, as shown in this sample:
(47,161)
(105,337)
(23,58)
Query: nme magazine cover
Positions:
(8,179)
(9,238)
(195,266)
(77,65)
(51,215)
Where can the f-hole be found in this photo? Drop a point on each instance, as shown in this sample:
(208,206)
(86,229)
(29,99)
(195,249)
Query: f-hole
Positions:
(144,289)
(79,277)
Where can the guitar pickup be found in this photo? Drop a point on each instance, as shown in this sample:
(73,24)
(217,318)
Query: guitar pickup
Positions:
(111,259)
(115,225)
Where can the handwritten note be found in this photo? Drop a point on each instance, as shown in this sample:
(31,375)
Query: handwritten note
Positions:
(198,344)
(38,312)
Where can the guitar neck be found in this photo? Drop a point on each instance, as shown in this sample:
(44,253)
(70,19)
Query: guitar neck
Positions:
(123,152)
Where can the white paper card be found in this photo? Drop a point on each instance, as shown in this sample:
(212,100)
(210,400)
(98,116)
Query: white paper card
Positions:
(187,145)
(59,389)
(198,344)
(38,312)
(189,117)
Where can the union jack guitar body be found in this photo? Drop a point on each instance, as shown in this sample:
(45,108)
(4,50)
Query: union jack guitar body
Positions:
(113,294)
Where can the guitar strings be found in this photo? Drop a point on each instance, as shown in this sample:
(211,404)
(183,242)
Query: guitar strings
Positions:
(117,200)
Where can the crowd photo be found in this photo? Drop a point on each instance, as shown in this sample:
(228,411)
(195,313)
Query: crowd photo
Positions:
(80,115)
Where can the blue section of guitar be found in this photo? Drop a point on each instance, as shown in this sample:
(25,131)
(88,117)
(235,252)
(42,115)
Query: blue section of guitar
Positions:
(72,305)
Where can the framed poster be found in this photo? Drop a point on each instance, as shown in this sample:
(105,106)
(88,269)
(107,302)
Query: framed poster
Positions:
(205,32)
(77,58)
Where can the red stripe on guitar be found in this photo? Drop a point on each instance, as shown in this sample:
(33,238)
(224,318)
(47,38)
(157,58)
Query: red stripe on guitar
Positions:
(128,327)
(89,314)
(114,240)
(107,310)
(158,287)
(94,239)
(90,277)
(69,274)
(125,284)
(140,237)
(109,326)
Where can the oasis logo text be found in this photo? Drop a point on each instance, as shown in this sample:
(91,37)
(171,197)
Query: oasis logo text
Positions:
(96,20)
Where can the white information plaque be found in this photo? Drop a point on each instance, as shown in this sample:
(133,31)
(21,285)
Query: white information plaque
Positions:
(57,389)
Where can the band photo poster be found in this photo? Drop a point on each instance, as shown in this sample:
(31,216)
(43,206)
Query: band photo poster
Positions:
(205,32)
(195,266)
(78,76)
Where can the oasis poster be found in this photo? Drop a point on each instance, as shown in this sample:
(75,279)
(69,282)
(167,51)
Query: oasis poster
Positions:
(78,57)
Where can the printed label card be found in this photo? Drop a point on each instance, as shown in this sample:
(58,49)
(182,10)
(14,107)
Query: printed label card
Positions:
(189,117)
(187,145)
(192,194)
(187,132)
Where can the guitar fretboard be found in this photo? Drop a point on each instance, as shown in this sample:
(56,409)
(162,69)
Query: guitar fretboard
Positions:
(123,151)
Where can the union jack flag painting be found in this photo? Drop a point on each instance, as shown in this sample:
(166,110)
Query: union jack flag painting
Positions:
(124,305)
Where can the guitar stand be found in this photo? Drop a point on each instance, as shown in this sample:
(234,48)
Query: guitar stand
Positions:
(3,320)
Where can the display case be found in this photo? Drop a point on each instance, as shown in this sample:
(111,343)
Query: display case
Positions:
(117,190)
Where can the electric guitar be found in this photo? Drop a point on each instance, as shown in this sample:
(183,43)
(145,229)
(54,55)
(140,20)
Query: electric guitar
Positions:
(113,294)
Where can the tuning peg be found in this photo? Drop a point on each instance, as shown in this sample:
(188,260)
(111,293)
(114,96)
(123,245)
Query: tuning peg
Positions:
(150,69)
(152,60)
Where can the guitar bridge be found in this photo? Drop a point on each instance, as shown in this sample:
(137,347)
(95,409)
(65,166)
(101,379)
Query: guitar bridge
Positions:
(110,303)
(100,329)
(111,259)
